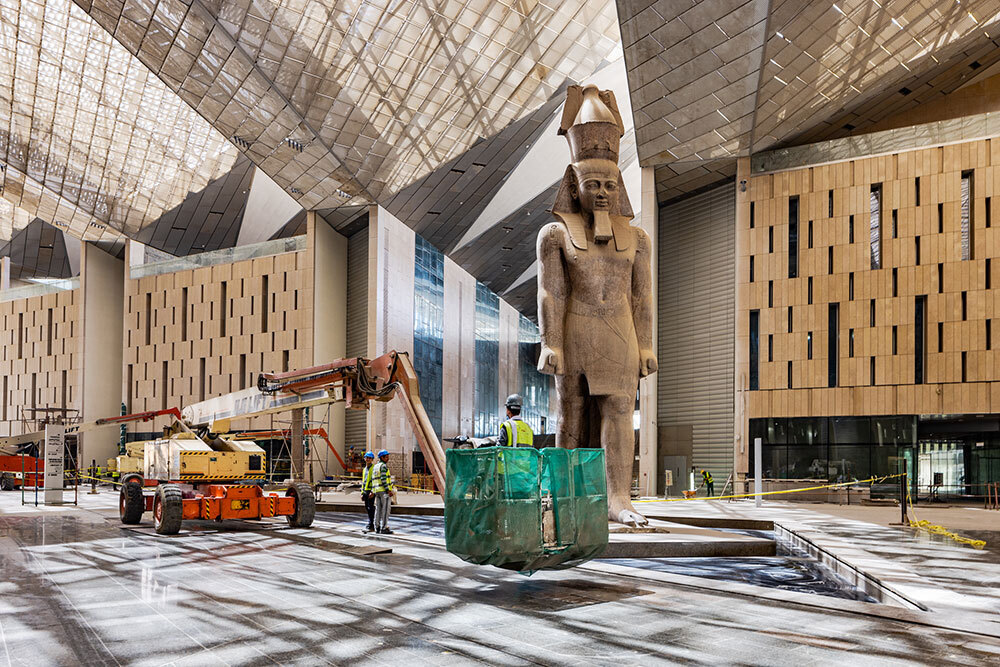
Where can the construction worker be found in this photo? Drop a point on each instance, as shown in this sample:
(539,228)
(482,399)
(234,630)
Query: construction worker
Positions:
(708,483)
(367,494)
(513,431)
(382,486)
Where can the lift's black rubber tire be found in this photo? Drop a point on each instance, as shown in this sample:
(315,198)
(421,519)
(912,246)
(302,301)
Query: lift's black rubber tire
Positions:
(305,505)
(131,504)
(168,507)
(6,483)
(133,478)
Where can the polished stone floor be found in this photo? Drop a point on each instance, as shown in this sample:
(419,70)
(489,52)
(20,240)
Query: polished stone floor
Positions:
(80,589)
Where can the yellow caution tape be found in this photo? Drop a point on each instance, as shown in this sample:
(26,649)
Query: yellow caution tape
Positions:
(873,480)
(934,529)
(923,524)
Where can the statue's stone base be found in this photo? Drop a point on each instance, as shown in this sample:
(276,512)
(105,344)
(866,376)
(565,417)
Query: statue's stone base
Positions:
(661,539)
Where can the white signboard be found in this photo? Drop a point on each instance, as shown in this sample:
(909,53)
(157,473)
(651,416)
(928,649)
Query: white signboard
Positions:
(55,437)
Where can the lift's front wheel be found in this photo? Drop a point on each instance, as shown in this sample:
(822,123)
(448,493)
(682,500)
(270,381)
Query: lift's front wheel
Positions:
(131,504)
(305,505)
(168,508)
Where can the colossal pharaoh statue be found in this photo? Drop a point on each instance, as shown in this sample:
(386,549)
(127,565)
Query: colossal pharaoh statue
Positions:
(594,296)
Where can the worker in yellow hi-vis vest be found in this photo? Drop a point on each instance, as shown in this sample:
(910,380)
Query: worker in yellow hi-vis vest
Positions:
(514,432)
(708,483)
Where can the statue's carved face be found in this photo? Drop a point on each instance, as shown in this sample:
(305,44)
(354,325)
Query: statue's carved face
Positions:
(597,188)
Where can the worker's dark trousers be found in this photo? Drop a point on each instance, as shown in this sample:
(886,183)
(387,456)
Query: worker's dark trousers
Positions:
(710,488)
(370,507)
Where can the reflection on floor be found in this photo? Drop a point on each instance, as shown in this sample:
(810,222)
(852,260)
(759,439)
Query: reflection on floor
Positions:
(78,589)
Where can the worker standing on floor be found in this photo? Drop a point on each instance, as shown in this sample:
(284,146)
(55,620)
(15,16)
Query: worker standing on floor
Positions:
(708,483)
(513,431)
(384,491)
(367,494)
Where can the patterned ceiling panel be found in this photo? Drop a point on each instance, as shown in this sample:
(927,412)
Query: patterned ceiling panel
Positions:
(91,140)
(717,79)
(347,102)
(37,251)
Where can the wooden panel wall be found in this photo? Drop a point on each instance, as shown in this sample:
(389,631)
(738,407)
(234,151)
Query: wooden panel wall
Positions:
(893,390)
(223,339)
(40,348)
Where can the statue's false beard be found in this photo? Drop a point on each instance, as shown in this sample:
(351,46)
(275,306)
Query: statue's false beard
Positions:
(602,226)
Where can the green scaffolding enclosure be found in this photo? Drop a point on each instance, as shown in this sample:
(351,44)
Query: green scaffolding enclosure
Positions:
(526,509)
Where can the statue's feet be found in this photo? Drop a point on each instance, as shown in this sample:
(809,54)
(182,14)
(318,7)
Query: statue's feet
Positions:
(625,513)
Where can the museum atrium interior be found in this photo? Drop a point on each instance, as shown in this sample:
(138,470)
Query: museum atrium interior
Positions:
(683,308)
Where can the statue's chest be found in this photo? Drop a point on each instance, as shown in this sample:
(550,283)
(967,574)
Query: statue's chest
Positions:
(599,262)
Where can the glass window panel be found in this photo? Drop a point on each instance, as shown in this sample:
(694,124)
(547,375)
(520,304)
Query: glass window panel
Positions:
(487,420)
(428,328)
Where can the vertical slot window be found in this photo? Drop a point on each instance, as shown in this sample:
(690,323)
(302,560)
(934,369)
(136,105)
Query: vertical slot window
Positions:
(895,223)
(165,388)
(829,204)
(940,218)
(989,212)
(810,290)
(789,374)
(968,221)
(751,268)
(916,249)
(48,334)
(148,315)
(770,347)
(895,282)
(833,345)
(770,294)
(265,304)
(875,230)
(243,371)
(920,339)
(850,286)
(916,191)
(850,229)
(871,371)
(989,273)
(810,234)
(989,334)
(201,379)
(850,343)
(895,340)
(809,345)
(754,345)
(940,328)
(789,319)
(965,306)
(871,313)
(793,237)
(940,278)
(770,239)
(751,215)
(829,260)
(184,314)
(965,377)
(222,309)
(20,335)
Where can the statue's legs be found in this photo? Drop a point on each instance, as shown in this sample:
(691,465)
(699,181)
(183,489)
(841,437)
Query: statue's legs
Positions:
(572,396)
(618,439)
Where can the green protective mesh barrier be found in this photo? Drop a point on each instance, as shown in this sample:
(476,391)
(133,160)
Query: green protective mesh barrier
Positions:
(526,509)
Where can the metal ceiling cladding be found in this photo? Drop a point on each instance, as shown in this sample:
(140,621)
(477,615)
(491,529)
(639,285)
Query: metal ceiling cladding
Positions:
(526,509)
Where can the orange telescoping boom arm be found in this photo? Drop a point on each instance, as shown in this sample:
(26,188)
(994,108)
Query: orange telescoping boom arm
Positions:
(356,381)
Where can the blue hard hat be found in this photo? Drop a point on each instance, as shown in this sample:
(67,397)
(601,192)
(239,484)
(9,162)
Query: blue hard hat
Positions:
(369,455)
(382,453)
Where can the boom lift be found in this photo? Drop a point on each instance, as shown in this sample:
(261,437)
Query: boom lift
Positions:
(195,468)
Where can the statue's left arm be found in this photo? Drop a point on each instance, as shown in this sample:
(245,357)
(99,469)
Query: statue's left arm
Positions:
(642,302)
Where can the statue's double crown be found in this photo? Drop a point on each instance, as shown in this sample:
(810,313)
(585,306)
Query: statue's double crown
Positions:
(592,124)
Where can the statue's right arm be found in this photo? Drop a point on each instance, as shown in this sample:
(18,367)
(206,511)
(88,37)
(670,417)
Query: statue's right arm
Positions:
(553,289)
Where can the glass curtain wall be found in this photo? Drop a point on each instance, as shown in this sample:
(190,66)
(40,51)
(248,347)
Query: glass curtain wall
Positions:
(487,419)
(428,327)
(534,385)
